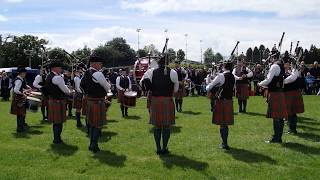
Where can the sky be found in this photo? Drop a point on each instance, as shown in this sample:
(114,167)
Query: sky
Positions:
(71,24)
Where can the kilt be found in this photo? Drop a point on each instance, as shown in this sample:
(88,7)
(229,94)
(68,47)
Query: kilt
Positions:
(277,107)
(242,91)
(57,111)
(84,105)
(223,112)
(294,102)
(96,112)
(162,111)
(181,92)
(18,105)
(77,100)
(44,101)
(120,96)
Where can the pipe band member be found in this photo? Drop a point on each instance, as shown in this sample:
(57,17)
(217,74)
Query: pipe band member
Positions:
(164,83)
(277,108)
(242,75)
(294,99)
(39,83)
(57,93)
(97,87)
(78,96)
(123,83)
(223,107)
(18,105)
(182,77)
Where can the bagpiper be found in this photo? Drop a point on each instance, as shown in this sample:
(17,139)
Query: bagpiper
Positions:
(182,77)
(223,106)
(164,83)
(294,99)
(97,87)
(242,75)
(277,108)
(78,96)
(39,83)
(57,93)
(123,83)
(18,105)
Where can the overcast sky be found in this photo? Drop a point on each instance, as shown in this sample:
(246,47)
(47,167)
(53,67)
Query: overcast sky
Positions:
(71,24)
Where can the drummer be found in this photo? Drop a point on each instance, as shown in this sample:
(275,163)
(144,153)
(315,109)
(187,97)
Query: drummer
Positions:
(38,83)
(123,83)
(77,98)
(18,107)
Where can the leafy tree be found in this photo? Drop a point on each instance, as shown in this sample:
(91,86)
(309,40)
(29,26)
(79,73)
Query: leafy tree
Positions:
(82,54)
(218,57)
(256,55)
(249,55)
(208,56)
(172,55)
(59,54)
(180,55)
(20,49)
(142,53)
(152,49)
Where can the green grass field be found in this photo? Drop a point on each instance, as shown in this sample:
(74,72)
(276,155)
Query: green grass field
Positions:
(128,150)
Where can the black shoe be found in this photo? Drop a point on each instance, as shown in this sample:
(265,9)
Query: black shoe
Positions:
(274,141)
(225,147)
(59,141)
(159,152)
(70,115)
(126,114)
(19,130)
(94,149)
(165,151)
(79,125)
(292,132)
(25,125)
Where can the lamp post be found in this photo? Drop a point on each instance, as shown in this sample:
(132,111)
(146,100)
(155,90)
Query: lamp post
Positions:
(186,56)
(201,51)
(138,31)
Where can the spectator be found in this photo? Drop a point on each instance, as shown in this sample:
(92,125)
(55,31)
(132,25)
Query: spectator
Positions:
(257,77)
(5,86)
(315,72)
(309,83)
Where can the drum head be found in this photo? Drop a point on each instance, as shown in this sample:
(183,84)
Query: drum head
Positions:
(130,93)
(110,94)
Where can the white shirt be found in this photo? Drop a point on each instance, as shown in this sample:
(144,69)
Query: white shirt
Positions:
(274,71)
(17,85)
(37,80)
(59,81)
(98,77)
(217,81)
(77,81)
(184,72)
(173,77)
(118,83)
(249,75)
(293,77)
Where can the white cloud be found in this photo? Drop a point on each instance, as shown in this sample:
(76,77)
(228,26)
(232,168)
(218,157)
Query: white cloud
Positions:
(3,18)
(14,1)
(290,8)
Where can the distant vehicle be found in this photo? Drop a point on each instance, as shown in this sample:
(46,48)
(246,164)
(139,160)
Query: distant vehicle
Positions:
(31,73)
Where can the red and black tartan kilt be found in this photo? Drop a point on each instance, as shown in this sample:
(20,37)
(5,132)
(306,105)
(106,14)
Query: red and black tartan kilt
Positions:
(96,112)
(294,102)
(57,110)
(77,100)
(181,92)
(120,96)
(84,105)
(44,101)
(242,91)
(18,105)
(223,112)
(162,111)
(277,107)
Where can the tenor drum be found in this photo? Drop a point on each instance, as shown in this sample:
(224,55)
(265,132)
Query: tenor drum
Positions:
(32,104)
(35,94)
(130,98)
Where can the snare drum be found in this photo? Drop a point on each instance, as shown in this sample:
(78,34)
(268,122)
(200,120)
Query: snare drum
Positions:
(109,98)
(130,98)
(37,95)
(32,104)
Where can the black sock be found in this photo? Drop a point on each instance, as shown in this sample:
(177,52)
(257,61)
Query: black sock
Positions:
(177,104)
(78,117)
(244,105)
(157,138)
(180,102)
(240,105)
(122,109)
(165,137)
(43,111)
(224,132)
